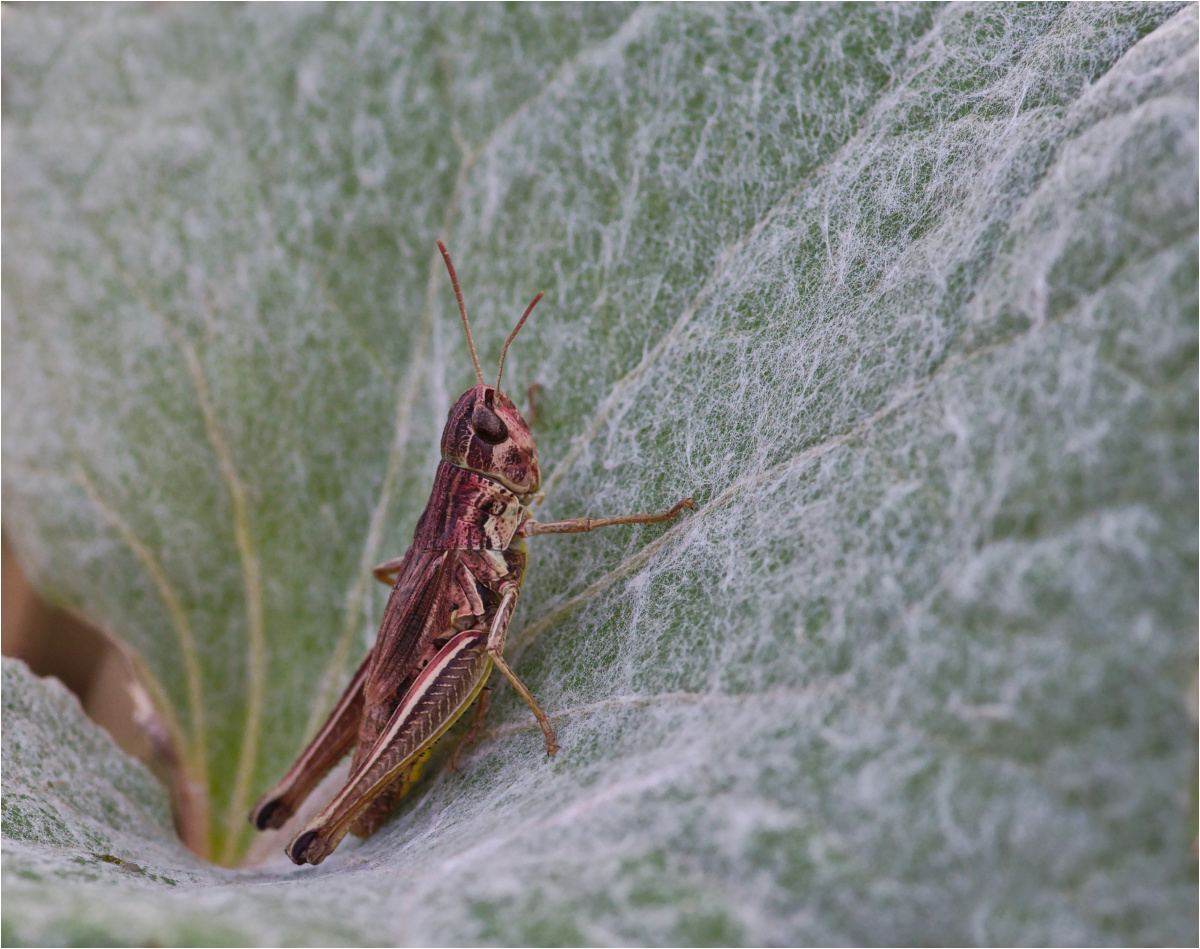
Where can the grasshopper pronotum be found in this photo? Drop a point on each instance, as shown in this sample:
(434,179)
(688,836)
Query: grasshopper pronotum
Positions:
(444,626)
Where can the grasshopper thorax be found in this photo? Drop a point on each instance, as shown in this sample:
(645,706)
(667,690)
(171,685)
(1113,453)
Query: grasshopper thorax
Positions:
(486,434)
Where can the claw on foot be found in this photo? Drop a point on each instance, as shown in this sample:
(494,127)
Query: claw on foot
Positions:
(298,851)
(270,814)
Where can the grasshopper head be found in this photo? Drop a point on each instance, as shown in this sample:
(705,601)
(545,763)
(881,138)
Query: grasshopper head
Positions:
(486,434)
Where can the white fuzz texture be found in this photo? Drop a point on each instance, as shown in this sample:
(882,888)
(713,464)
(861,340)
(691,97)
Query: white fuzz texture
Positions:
(903,296)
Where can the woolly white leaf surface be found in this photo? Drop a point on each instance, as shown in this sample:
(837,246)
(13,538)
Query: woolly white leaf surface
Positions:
(905,297)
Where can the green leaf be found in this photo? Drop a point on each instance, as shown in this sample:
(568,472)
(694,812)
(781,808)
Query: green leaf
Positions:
(904,296)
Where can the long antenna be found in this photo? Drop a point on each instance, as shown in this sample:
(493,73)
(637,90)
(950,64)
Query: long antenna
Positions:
(513,335)
(462,309)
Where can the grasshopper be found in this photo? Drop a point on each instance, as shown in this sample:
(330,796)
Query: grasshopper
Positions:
(445,623)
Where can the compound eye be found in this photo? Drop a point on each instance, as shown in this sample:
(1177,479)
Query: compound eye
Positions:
(488,425)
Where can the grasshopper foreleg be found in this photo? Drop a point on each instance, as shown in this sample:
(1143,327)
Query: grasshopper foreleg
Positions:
(495,649)
(579,525)
(387,571)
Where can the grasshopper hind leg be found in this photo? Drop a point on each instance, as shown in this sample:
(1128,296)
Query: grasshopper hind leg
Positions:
(375,815)
(441,693)
(327,748)
(472,735)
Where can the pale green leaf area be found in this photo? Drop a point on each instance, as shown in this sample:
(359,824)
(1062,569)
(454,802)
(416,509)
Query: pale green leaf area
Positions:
(904,296)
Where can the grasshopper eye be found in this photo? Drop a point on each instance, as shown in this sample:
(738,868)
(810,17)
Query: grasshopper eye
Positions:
(488,425)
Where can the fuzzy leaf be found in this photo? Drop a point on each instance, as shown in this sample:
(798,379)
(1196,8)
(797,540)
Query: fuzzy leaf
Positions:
(904,296)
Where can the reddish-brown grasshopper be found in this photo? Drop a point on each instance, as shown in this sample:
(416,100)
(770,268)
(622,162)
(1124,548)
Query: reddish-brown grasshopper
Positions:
(444,627)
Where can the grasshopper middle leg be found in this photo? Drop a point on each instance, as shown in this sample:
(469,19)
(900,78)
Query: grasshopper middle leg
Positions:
(495,648)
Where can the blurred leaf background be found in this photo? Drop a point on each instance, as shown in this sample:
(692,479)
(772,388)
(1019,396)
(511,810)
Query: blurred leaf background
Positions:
(905,296)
